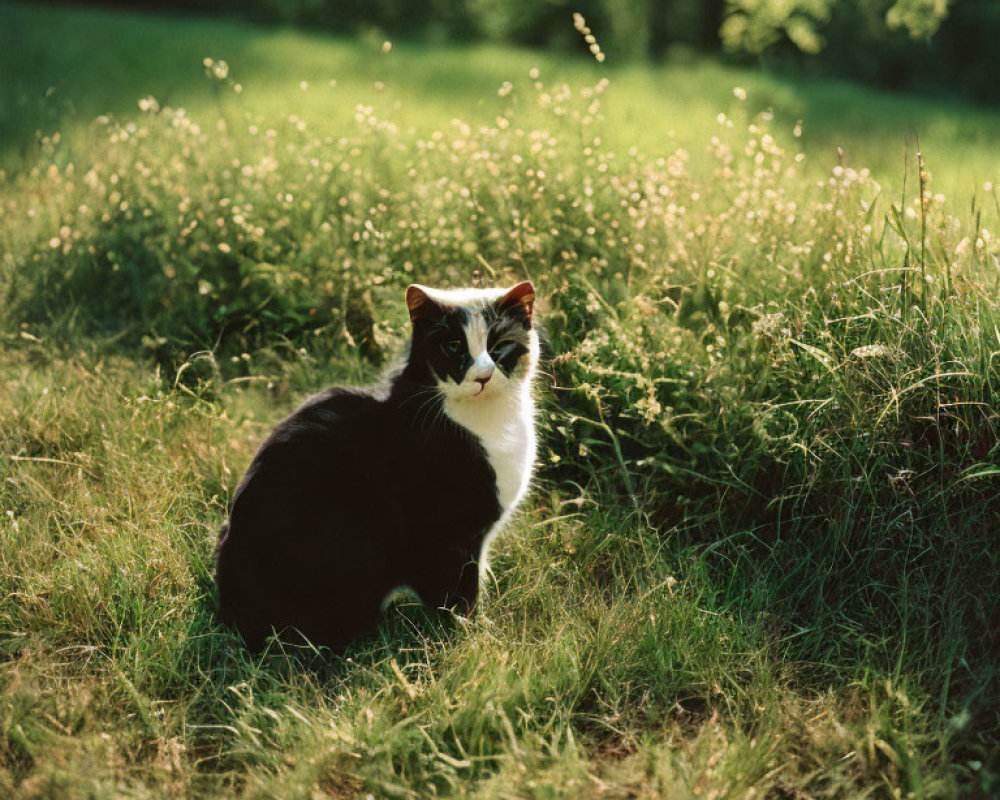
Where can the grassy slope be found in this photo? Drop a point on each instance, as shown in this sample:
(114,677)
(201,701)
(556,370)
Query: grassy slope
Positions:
(105,62)
(762,557)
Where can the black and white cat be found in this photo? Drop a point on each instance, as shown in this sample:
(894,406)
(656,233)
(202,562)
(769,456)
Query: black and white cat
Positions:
(362,491)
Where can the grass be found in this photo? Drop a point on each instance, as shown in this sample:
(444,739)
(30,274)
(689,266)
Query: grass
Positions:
(761,557)
(107,61)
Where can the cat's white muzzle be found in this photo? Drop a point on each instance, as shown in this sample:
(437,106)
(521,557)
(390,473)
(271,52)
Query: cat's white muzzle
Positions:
(479,378)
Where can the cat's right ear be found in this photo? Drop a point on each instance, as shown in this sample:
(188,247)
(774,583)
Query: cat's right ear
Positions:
(419,303)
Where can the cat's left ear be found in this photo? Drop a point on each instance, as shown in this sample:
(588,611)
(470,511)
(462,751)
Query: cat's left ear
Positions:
(521,297)
(420,304)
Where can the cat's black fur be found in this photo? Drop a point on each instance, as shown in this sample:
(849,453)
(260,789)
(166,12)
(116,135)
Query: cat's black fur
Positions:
(356,493)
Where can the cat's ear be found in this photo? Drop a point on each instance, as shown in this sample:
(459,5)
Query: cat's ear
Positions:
(520,298)
(420,304)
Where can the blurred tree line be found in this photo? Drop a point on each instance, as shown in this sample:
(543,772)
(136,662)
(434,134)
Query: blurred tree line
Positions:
(939,46)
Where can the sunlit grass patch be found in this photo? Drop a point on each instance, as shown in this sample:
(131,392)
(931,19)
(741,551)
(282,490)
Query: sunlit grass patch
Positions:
(107,60)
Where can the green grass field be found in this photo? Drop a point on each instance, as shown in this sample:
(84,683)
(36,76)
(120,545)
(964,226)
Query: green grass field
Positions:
(761,559)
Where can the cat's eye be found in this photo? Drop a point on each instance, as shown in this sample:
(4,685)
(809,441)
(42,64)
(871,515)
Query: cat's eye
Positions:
(453,347)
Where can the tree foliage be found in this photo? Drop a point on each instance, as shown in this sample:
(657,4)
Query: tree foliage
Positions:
(754,25)
(919,17)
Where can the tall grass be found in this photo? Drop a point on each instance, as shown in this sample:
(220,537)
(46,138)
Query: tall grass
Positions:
(761,556)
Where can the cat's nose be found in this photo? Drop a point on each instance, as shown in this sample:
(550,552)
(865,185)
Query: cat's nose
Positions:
(484,372)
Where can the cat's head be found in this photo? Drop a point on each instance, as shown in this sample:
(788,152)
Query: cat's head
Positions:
(476,344)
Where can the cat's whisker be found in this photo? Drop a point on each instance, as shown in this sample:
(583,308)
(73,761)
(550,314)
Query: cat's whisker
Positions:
(429,410)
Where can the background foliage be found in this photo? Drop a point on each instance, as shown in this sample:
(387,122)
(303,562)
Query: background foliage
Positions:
(934,46)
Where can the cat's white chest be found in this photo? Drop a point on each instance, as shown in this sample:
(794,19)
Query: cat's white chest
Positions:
(505,428)
(511,451)
(506,431)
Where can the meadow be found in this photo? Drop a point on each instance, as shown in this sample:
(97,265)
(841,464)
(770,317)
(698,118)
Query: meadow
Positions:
(761,557)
